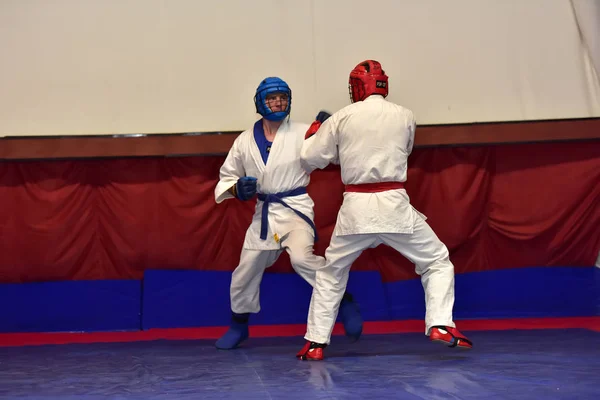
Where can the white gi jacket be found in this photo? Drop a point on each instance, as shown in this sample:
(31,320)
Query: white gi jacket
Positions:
(367,156)
(282,173)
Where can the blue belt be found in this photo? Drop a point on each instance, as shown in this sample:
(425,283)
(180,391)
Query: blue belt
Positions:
(278,198)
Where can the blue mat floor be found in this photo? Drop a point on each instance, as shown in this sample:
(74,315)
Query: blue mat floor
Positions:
(536,364)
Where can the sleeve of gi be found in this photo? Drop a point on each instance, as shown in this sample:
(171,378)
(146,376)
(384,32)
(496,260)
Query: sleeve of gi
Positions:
(231,170)
(320,149)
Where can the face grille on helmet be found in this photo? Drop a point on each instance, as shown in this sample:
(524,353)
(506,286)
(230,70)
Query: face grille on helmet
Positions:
(268,86)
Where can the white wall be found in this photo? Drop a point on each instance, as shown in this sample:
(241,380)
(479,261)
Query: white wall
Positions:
(587,15)
(79,67)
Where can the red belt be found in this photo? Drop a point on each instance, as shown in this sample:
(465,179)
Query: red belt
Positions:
(374,187)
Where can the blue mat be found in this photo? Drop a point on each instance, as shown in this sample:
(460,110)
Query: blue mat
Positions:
(548,364)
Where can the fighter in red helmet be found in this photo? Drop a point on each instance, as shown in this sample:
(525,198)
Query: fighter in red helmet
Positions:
(372,139)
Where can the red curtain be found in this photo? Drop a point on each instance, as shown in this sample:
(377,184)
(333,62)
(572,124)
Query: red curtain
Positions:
(494,206)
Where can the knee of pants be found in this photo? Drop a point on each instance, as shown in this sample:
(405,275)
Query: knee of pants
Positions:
(444,257)
(438,264)
(440,254)
(306,261)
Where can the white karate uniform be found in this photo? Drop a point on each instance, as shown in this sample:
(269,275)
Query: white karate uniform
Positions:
(286,230)
(373,139)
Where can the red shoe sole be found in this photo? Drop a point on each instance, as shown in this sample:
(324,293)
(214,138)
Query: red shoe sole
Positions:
(448,344)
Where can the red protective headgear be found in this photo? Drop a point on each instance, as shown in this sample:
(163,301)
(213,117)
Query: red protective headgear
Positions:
(367,78)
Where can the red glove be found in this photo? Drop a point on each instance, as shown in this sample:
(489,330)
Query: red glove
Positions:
(314,127)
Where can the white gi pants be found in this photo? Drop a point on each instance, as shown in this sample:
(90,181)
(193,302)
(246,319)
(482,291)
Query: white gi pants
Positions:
(246,278)
(422,247)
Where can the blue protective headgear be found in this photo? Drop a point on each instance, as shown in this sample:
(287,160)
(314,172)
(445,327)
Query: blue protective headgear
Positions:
(267,86)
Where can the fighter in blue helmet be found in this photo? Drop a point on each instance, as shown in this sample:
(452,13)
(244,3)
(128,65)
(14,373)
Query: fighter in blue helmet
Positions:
(264,161)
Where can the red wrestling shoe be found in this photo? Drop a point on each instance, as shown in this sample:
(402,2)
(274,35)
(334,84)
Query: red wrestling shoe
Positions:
(450,337)
(311,352)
